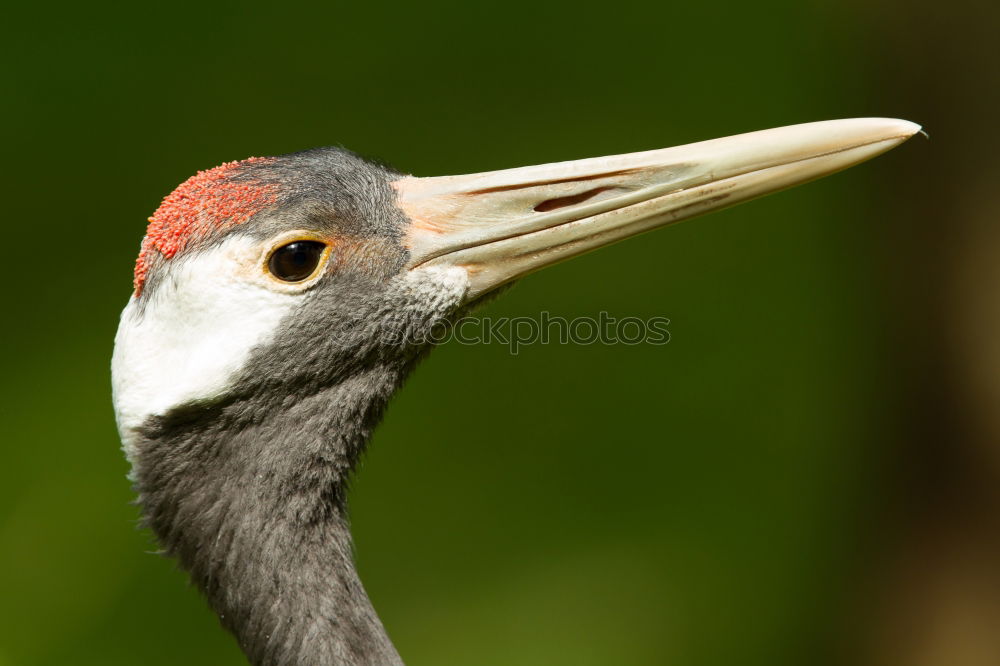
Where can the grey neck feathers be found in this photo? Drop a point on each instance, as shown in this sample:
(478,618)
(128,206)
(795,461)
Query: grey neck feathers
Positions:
(254,509)
(248,490)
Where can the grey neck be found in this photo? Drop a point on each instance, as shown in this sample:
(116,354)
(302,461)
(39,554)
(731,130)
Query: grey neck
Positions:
(250,497)
(248,490)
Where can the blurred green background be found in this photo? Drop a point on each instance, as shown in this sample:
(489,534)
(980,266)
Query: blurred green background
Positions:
(772,487)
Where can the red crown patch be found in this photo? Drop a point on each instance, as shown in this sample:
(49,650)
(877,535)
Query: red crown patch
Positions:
(208,201)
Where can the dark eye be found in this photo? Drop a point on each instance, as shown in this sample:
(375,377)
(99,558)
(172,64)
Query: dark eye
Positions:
(296,261)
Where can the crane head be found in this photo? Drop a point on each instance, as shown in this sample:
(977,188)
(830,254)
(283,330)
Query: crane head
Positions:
(289,274)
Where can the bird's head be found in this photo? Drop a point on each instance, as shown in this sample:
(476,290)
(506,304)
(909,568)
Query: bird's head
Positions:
(286,275)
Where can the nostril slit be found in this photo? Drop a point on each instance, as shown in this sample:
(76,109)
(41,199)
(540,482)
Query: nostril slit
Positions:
(572,200)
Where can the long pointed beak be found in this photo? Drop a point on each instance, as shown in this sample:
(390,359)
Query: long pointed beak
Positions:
(500,225)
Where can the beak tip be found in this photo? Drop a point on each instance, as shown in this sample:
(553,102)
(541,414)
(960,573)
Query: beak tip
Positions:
(903,128)
(887,132)
(878,129)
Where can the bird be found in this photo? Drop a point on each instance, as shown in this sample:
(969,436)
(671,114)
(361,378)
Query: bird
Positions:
(279,302)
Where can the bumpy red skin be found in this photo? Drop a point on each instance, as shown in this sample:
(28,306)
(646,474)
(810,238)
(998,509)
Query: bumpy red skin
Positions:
(207,202)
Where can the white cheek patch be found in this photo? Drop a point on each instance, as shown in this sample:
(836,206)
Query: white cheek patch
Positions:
(195,333)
